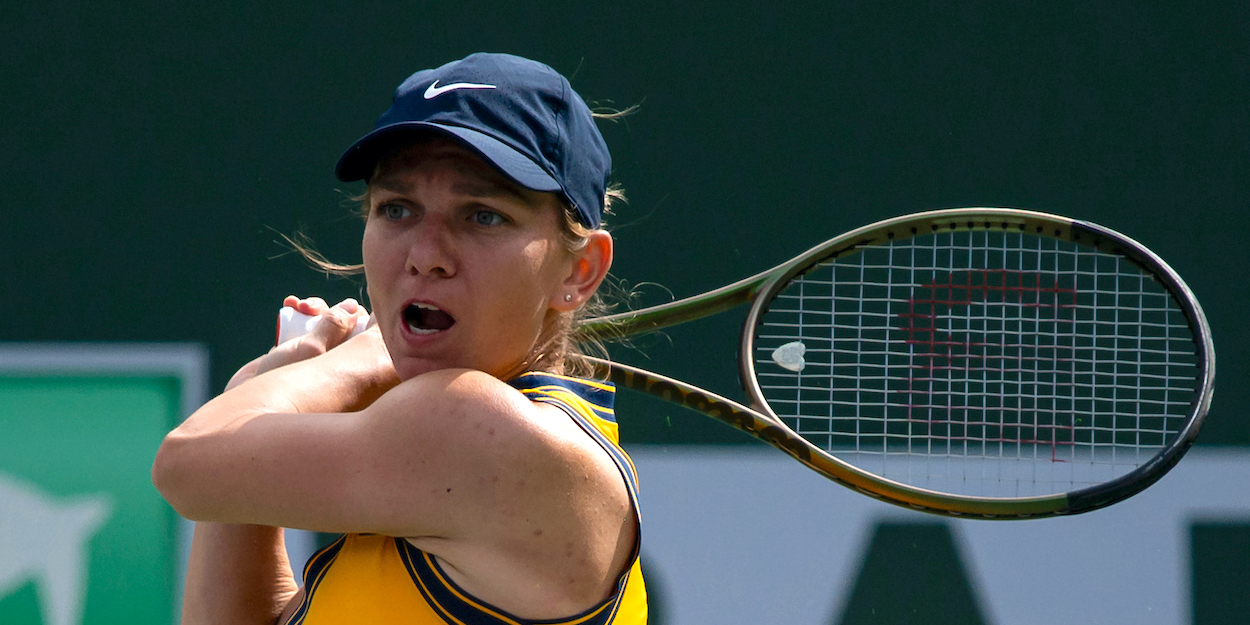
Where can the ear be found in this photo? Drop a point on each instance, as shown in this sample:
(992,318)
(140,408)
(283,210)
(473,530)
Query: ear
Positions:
(589,268)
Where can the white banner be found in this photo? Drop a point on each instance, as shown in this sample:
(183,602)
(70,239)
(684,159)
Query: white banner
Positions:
(746,535)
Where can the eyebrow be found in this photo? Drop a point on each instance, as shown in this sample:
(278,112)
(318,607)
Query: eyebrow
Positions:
(491,189)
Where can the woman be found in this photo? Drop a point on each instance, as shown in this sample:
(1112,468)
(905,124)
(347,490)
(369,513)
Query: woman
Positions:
(472,480)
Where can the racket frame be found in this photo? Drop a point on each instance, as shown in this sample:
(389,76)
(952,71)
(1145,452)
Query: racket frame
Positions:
(760,421)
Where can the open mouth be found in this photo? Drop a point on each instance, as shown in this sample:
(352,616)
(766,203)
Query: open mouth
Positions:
(426,319)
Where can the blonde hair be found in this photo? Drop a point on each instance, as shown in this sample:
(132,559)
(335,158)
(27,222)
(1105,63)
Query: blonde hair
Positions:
(560,352)
(562,342)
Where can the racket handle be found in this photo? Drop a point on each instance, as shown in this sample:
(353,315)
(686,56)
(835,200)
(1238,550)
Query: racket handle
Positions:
(292,324)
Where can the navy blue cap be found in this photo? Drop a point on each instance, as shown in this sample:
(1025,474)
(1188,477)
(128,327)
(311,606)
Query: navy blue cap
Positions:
(519,114)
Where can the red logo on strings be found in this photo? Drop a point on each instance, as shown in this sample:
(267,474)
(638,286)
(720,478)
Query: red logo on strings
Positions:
(987,355)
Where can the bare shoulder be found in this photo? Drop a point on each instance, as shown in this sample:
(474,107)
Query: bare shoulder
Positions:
(532,513)
(470,411)
(478,445)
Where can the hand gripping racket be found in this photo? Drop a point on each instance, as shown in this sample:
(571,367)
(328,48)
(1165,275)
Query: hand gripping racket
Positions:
(292,324)
(984,362)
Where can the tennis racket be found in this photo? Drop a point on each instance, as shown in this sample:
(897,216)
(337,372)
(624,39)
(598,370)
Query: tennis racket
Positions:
(983,362)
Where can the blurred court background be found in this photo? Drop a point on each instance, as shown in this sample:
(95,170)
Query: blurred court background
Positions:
(151,153)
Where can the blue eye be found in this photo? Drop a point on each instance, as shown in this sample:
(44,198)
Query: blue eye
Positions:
(393,211)
(488,218)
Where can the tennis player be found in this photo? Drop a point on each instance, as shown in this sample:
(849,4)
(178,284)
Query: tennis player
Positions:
(472,477)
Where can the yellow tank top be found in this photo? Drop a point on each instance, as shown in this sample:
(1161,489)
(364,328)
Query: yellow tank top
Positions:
(366,579)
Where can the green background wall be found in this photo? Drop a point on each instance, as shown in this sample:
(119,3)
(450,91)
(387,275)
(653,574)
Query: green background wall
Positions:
(151,152)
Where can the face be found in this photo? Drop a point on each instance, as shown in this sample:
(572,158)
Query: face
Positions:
(464,267)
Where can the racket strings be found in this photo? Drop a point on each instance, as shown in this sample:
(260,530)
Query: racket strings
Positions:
(980,362)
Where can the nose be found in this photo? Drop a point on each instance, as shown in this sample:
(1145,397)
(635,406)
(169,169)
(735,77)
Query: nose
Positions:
(433,249)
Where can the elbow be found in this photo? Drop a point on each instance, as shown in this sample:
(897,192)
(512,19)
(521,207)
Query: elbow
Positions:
(170,475)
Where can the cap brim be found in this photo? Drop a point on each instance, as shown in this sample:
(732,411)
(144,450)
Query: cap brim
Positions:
(358,162)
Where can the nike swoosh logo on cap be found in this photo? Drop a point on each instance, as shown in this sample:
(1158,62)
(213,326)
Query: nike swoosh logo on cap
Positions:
(433,91)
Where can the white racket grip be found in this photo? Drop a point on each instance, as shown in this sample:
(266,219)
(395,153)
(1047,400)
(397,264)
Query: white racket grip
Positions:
(292,324)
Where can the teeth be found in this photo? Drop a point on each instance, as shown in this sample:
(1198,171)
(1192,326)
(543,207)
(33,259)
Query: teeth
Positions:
(416,329)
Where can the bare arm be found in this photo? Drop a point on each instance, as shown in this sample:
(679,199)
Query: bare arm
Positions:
(237,574)
(455,459)
(428,458)
(240,573)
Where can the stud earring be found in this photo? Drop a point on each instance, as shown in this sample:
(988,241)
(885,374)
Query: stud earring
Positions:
(568,298)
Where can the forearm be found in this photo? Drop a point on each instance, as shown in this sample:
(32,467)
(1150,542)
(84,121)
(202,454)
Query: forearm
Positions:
(237,574)
(217,454)
(344,379)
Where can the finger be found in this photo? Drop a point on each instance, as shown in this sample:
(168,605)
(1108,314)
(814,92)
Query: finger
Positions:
(350,305)
(311,306)
(336,325)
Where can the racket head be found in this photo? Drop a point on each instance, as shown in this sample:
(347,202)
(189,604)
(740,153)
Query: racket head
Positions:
(988,362)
